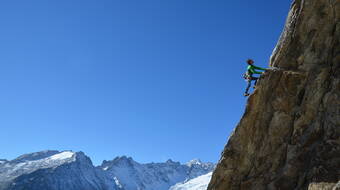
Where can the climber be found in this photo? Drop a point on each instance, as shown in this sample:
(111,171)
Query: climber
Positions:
(249,74)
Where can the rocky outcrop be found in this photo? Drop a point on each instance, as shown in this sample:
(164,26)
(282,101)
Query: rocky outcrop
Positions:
(289,135)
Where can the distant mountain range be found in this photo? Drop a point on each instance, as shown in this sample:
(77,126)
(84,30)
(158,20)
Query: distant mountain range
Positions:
(67,170)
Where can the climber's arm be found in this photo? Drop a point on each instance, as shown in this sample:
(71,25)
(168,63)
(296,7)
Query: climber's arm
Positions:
(256,72)
(252,70)
(259,68)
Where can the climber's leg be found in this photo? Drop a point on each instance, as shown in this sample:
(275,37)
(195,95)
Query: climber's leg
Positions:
(255,79)
(247,89)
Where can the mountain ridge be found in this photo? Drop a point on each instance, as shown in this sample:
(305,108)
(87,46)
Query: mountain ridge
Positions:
(153,176)
(60,170)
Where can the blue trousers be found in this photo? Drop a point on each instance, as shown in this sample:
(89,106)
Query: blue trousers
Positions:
(249,82)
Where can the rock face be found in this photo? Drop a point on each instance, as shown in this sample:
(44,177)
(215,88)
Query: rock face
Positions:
(289,135)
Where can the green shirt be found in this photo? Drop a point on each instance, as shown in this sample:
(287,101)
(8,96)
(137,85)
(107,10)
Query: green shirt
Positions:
(251,69)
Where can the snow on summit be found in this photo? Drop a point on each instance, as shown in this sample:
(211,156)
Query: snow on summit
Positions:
(194,162)
(29,163)
(62,156)
(53,170)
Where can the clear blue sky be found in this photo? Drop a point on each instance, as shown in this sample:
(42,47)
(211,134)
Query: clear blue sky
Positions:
(151,79)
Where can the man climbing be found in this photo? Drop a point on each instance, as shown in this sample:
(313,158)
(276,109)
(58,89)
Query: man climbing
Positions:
(251,69)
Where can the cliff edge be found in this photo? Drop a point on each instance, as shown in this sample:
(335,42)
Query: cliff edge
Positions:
(289,135)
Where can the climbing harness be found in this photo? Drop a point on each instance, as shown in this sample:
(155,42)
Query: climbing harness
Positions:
(246,76)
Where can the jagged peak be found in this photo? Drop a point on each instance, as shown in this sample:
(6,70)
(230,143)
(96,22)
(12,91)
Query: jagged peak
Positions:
(126,159)
(198,162)
(170,161)
(106,164)
(123,159)
(194,162)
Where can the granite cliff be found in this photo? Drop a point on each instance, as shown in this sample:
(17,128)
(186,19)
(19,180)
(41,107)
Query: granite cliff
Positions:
(289,135)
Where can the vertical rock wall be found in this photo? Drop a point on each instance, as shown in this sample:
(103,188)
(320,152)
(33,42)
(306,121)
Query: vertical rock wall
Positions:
(289,135)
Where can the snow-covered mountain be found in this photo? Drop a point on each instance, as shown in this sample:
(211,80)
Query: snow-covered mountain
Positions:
(67,170)
(198,183)
(53,170)
(2,161)
(131,175)
(198,168)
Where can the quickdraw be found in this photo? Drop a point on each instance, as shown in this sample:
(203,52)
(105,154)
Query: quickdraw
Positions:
(246,76)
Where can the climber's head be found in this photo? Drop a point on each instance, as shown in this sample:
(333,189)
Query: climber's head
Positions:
(250,61)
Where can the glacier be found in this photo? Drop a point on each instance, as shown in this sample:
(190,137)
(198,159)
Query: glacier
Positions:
(198,183)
